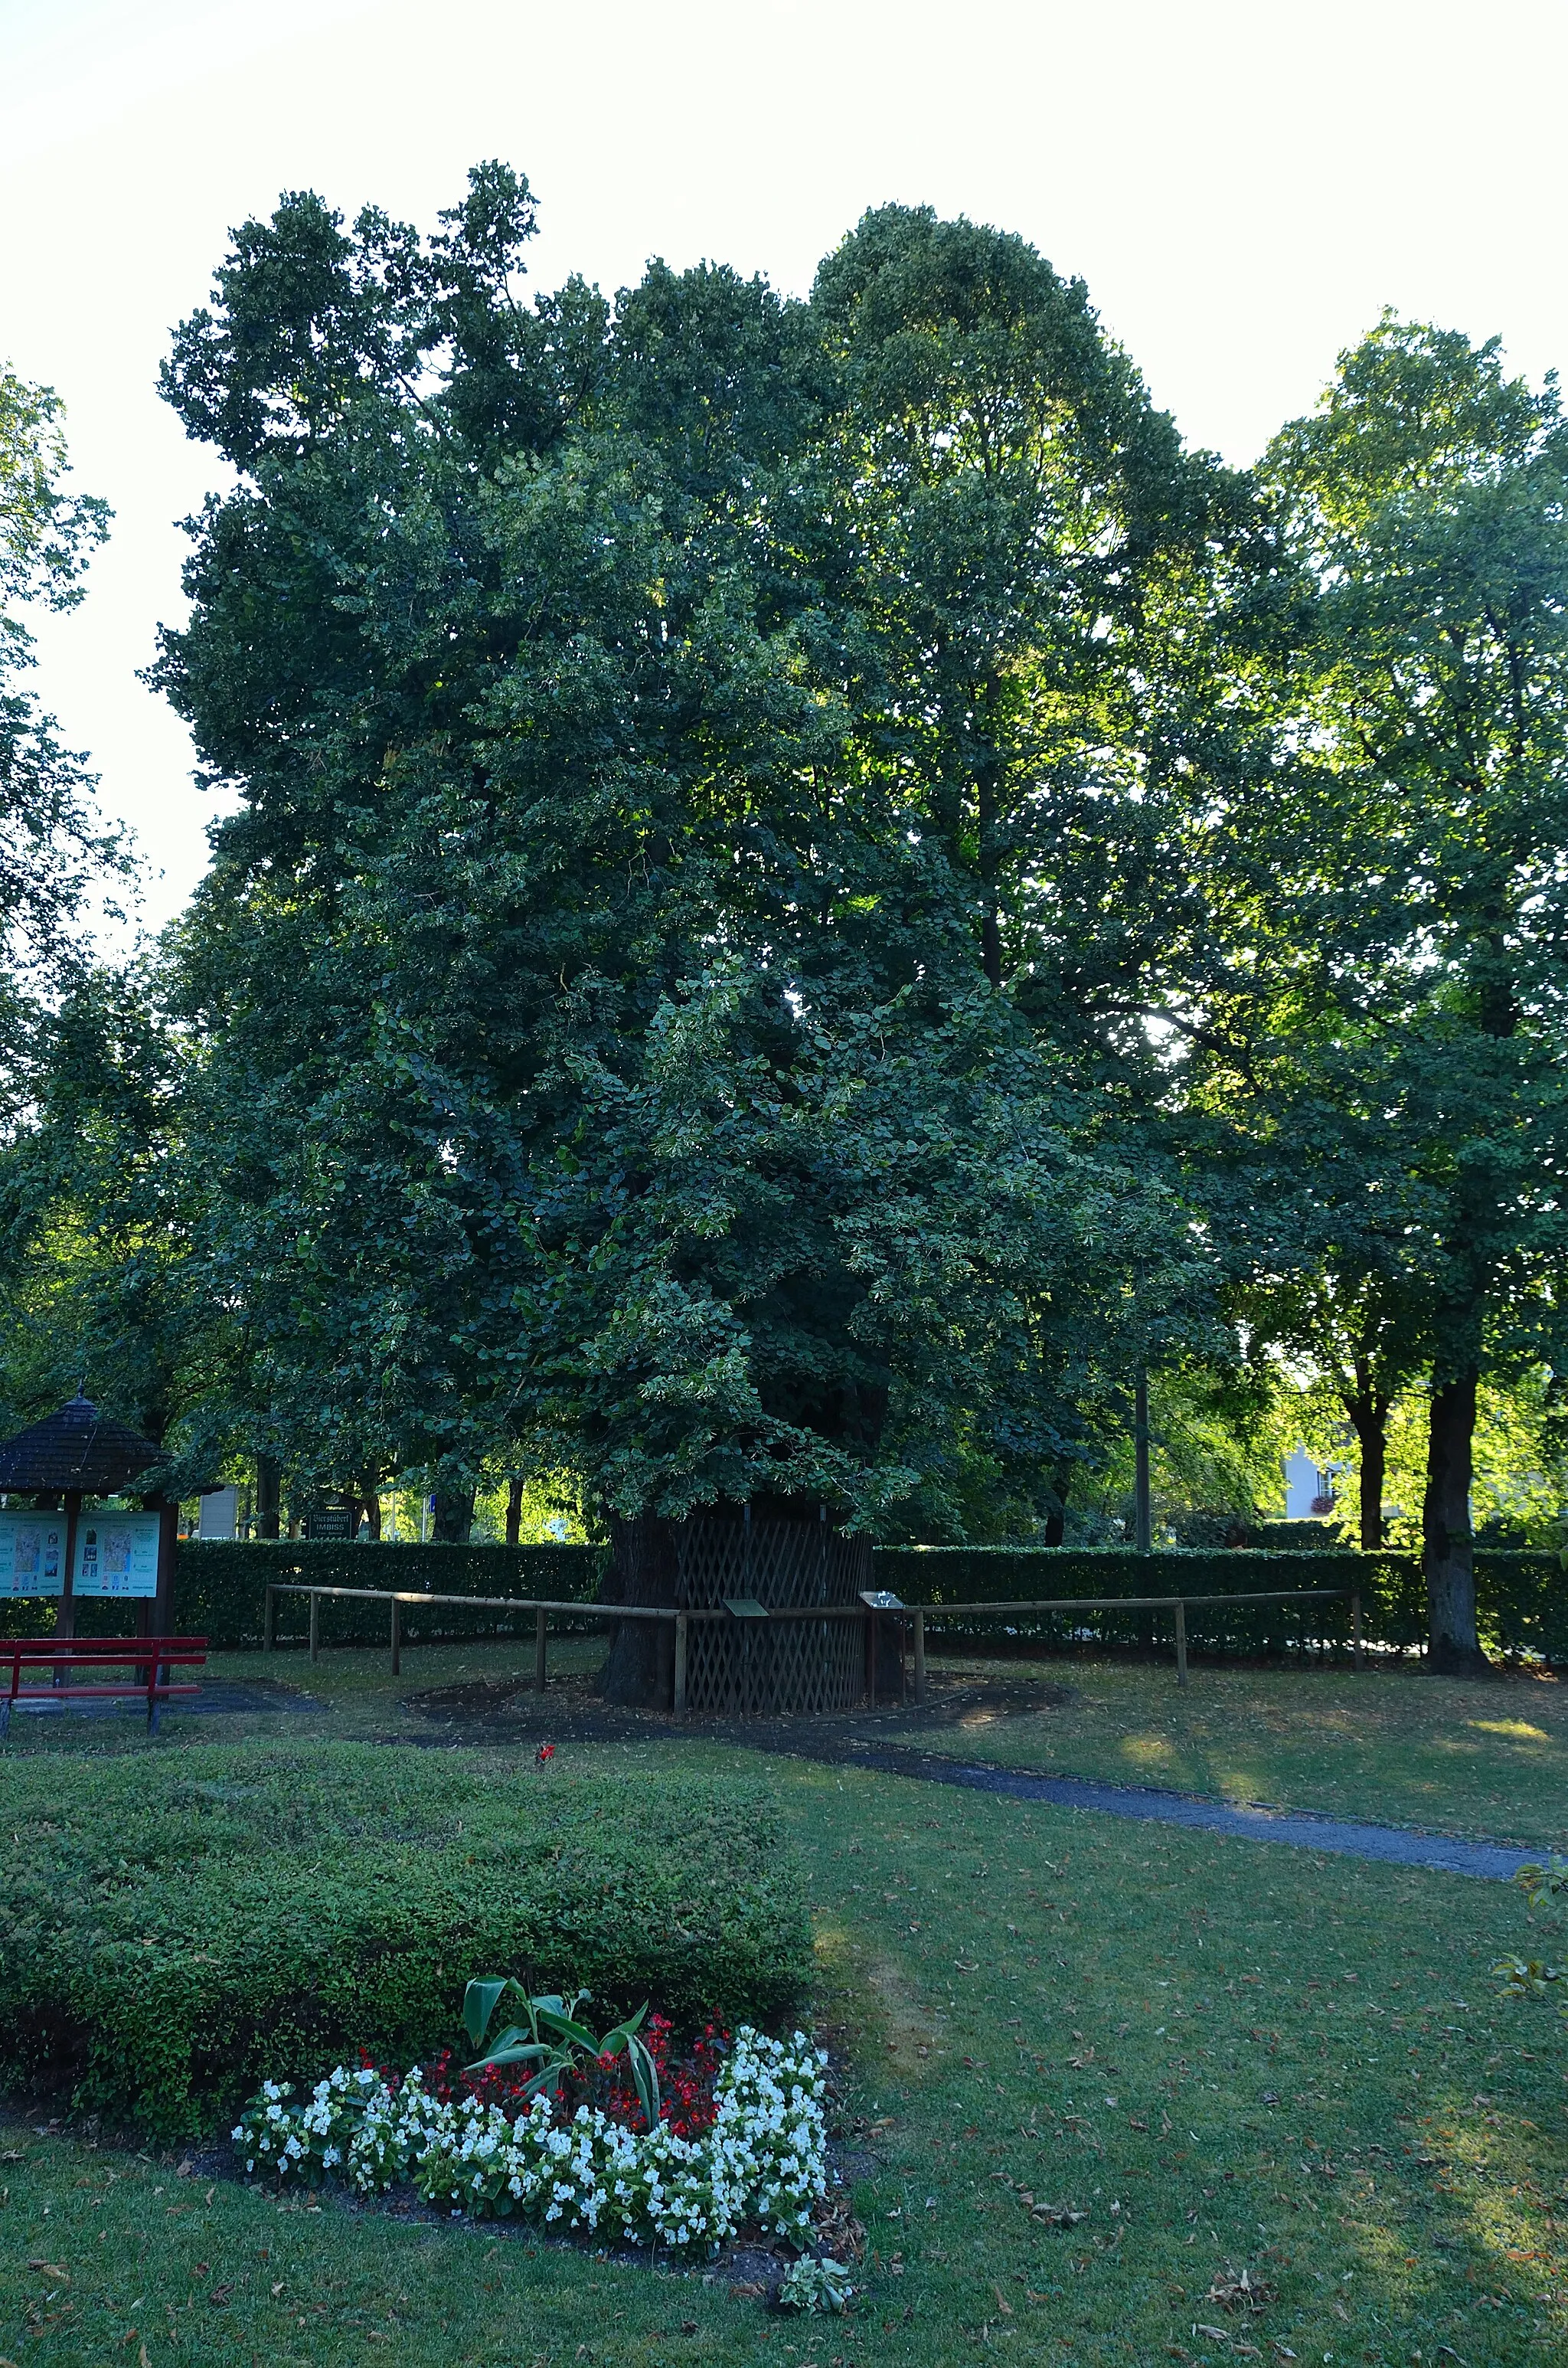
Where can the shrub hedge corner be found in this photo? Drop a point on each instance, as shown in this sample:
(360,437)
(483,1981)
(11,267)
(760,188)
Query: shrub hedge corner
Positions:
(172,1932)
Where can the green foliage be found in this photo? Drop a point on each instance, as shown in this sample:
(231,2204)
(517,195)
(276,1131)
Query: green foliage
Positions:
(815,2283)
(52,846)
(1390,1587)
(555,2042)
(171,1930)
(219,1587)
(1544,1887)
(604,1067)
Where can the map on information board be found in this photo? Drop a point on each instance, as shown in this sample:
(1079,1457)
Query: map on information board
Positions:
(32,1554)
(116,1554)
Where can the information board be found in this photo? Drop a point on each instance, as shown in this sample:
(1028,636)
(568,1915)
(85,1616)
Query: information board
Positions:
(116,1554)
(32,1554)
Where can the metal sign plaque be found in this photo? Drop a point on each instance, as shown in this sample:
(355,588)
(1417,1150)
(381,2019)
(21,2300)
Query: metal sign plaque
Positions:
(116,1554)
(32,1554)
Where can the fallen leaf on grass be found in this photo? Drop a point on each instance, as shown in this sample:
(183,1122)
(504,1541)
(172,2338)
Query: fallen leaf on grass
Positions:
(1002,2304)
(219,2295)
(52,2269)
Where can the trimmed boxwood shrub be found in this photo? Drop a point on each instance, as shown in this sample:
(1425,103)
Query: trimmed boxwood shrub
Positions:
(172,1930)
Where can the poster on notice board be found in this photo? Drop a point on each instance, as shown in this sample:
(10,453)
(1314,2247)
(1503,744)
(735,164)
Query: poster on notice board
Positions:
(116,1554)
(32,1554)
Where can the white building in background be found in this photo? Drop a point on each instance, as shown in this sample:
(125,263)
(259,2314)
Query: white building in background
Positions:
(218,1515)
(1304,1483)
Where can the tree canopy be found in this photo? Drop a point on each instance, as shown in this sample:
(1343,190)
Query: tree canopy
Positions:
(810,890)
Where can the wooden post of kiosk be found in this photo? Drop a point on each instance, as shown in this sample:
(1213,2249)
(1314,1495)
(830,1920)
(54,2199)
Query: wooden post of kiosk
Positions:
(66,1609)
(167,1511)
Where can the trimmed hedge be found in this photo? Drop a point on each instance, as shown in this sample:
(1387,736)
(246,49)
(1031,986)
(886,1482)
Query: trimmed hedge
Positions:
(1393,1604)
(174,1929)
(1522,1598)
(220,1593)
(220,1590)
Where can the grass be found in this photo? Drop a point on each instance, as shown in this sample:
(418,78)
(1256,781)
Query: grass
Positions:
(1227,2055)
(1391,1744)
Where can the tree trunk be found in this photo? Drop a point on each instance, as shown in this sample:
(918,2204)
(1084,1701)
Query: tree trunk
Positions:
(1454,1646)
(373,1516)
(1368,1413)
(454,1516)
(514,1509)
(269,1495)
(1056,1520)
(641,1668)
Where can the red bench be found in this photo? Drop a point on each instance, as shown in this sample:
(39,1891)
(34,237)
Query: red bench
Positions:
(154,1656)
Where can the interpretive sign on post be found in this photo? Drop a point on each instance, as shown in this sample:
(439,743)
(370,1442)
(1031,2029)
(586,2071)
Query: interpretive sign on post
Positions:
(335,1523)
(32,1554)
(116,1554)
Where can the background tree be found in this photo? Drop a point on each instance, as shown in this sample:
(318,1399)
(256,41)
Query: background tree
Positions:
(53,851)
(1427,493)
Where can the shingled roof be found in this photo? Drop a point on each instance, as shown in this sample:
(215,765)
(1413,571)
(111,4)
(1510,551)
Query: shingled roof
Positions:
(79,1448)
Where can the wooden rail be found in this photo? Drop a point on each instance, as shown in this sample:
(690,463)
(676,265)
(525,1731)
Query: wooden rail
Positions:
(918,1614)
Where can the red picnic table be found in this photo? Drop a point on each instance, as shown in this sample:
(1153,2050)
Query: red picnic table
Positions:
(154,1656)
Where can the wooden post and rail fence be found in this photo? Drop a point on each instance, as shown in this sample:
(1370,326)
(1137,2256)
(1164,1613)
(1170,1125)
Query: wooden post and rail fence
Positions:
(918,1615)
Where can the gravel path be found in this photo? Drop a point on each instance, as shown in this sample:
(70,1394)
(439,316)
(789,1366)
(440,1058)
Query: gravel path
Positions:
(1250,1821)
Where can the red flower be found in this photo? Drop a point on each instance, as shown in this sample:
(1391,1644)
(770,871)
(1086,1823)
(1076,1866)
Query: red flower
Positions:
(546,1751)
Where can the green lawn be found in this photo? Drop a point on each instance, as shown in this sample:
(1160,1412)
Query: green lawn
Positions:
(1227,2055)
(1391,1744)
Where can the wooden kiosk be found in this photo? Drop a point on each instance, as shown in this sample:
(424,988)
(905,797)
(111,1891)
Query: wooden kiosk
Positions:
(52,1550)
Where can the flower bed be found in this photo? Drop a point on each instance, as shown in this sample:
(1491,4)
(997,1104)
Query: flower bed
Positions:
(760,2160)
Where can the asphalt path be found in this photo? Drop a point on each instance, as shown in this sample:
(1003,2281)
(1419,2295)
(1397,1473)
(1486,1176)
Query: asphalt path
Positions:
(1245,1821)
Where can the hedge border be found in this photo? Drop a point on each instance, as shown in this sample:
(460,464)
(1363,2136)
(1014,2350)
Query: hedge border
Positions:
(220,1591)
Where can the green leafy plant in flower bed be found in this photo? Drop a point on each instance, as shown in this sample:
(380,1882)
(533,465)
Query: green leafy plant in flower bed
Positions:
(171,1929)
(554,2042)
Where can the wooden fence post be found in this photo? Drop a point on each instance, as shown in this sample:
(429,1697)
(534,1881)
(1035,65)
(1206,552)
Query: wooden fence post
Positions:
(677,1699)
(1181,1641)
(269,1620)
(316,1625)
(396,1637)
(920,1655)
(540,1621)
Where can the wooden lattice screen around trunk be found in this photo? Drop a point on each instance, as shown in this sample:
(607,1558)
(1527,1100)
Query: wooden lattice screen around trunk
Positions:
(749,1669)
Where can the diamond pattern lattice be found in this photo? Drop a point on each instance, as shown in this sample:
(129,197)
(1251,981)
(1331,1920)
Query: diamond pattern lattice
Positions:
(750,1669)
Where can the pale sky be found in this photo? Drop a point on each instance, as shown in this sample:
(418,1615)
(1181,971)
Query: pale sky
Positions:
(1244,183)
